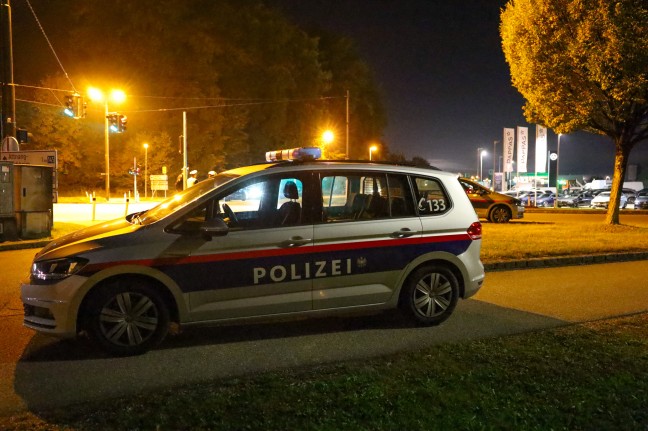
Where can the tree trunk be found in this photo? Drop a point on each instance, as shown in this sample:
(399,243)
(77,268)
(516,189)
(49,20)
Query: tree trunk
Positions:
(620,165)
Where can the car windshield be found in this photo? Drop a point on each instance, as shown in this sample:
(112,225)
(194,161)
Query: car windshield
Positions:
(180,199)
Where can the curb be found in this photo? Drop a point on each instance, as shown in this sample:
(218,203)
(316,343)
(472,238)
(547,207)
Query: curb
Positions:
(551,262)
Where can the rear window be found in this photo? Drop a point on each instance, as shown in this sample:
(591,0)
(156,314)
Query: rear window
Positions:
(432,198)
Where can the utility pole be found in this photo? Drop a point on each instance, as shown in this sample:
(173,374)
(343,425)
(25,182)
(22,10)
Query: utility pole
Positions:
(347,125)
(8,89)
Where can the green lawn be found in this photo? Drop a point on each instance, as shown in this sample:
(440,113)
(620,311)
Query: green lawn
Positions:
(582,377)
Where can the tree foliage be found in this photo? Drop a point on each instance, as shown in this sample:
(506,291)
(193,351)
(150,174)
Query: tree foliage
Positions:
(248,79)
(582,65)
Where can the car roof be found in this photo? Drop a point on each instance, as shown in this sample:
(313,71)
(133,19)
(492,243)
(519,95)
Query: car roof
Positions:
(338,165)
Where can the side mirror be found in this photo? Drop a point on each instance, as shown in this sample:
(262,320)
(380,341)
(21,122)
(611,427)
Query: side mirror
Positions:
(214,227)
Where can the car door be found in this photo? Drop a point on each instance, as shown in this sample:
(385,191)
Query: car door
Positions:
(364,240)
(258,267)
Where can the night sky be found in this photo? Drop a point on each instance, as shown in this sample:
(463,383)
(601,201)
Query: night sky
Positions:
(445,84)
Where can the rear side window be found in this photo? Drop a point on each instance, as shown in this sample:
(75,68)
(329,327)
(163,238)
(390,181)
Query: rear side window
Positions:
(432,198)
(365,196)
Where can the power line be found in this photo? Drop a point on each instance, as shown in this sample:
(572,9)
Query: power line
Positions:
(50,44)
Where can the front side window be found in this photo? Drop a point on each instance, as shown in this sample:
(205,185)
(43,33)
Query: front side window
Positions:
(432,197)
(272,201)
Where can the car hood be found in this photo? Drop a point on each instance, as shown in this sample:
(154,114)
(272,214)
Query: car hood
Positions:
(84,239)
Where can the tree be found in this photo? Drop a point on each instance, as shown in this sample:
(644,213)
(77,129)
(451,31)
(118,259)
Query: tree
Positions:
(249,80)
(583,65)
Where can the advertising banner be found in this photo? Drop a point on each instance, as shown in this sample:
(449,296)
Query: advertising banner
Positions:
(508,146)
(541,149)
(522,148)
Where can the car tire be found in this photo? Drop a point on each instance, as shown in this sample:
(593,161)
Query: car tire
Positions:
(430,294)
(500,214)
(127,317)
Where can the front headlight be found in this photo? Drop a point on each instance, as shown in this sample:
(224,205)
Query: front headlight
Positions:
(57,269)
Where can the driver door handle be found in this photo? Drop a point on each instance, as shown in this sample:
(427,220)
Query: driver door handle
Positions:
(296,241)
(403,233)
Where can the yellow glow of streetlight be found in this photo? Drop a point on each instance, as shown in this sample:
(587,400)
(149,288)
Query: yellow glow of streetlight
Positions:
(95,94)
(328,136)
(371,150)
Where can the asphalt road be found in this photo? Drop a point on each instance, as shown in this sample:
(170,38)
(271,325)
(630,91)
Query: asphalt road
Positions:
(39,372)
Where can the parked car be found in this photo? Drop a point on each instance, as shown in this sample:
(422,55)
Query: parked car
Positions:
(575,200)
(641,201)
(544,200)
(494,206)
(630,194)
(602,200)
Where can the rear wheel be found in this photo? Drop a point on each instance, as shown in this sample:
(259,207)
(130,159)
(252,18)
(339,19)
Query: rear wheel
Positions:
(500,214)
(430,294)
(127,317)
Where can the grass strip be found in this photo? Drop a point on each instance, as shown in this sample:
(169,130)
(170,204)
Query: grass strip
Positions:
(591,376)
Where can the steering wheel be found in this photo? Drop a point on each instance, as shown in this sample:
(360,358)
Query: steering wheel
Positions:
(230,214)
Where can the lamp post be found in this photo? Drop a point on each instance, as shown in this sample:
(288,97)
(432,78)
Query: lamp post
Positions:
(480,154)
(371,150)
(146,170)
(117,96)
(558,165)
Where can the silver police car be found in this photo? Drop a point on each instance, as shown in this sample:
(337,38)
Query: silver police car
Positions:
(309,237)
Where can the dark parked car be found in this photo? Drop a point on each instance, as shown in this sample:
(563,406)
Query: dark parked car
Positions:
(575,200)
(543,200)
(641,201)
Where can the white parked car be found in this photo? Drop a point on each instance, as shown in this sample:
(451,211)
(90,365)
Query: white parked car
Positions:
(602,200)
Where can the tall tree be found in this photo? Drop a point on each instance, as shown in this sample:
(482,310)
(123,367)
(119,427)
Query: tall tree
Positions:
(249,80)
(583,65)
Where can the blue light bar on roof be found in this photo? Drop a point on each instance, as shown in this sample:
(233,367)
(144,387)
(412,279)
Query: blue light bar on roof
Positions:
(301,153)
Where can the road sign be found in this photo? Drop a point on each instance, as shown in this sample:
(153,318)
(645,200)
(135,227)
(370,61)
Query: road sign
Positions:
(159,182)
(36,157)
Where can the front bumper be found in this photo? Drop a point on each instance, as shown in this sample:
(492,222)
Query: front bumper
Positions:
(520,211)
(52,308)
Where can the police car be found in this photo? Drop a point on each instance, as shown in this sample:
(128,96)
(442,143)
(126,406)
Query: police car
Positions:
(310,237)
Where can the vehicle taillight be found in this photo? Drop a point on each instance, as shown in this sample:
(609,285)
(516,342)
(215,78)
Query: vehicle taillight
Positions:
(475,231)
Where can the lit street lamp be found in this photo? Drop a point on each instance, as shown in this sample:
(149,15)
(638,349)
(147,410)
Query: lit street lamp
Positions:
(116,96)
(371,150)
(481,153)
(328,137)
(146,170)
(557,178)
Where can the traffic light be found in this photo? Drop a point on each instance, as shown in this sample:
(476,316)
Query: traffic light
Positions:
(80,106)
(69,106)
(117,122)
(75,106)
(113,121)
(123,120)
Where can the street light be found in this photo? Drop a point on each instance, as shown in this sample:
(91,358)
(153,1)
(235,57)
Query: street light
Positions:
(116,96)
(371,150)
(146,170)
(557,165)
(481,153)
(328,137)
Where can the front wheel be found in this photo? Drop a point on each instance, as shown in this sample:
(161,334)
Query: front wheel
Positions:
(500,214)
(127,317)
(430,294)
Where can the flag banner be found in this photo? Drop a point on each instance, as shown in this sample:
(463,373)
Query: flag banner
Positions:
(541,149)
(522,148)
(507,148)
